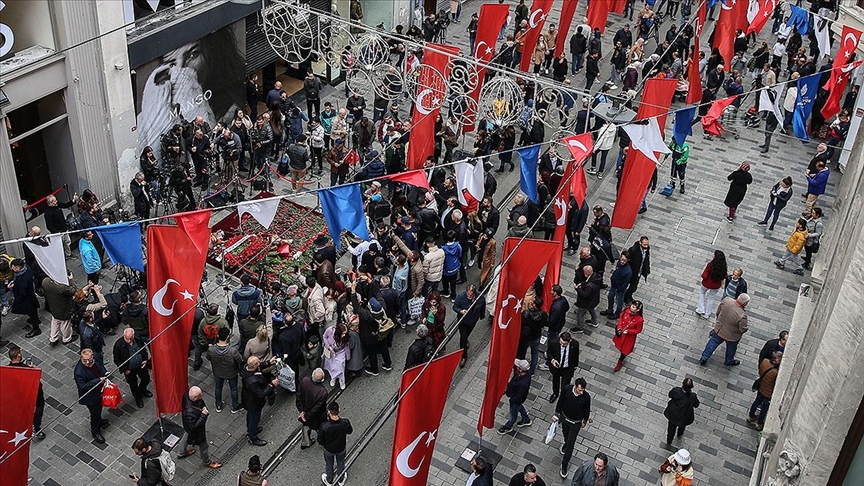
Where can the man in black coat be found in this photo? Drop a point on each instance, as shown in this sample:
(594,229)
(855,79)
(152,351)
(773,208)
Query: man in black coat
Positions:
(601,219)
(24,294)
(256,390)
(573,412)
(468,312)
(195,416)
(772,345)
(89,378)
(140,189)
(151,468)
(557,311)
(490,216)
(534,320)
(55,220)
(323,248)
(586,259)
(332,436)
(130,355)
(562,357)
(311,405)
(420,349)
(15,359)
(587,298)
(577,216)
(640,262)
(517,391)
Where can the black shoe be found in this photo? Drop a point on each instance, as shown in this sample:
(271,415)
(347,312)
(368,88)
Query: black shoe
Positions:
(97,438)
(53,343)
(512,167)
(35,332)
(39,435)
(605,312)
(702,362)
(139,402)
(642,210)
(461,281)
(762,223)
(258,442)
(734,362)
(764,150)
(552,398)
(500,169)
(197,366)
(147,393)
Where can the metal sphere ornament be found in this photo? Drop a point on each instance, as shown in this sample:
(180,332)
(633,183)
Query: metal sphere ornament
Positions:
(500,101)
(288,30)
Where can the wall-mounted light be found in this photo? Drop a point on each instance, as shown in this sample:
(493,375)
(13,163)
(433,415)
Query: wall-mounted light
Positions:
(119,66)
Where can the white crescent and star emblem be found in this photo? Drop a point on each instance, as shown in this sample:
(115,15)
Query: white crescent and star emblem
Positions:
(849,47)
(158,304)
(576,143)
(730,2)
(504,304)
(532,21)
(19,438)
(402,464)
(561,210)
(421,107)
(485,52)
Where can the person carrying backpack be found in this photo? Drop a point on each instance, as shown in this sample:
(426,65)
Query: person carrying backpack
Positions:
(421,349)
(208,333)
(157,467)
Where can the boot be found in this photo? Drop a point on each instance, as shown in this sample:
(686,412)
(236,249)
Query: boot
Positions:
(619,365)
(682,186)
(672,183)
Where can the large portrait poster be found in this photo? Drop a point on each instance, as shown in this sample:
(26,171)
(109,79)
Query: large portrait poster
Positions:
(203,78)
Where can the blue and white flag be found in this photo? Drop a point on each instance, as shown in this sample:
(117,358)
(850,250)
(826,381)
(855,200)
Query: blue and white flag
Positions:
(122,242)
(683,127)
(343,210)
(528,168)
(800,19)
(807,88)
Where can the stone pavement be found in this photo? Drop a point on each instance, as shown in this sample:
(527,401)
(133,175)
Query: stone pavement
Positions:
(628,422)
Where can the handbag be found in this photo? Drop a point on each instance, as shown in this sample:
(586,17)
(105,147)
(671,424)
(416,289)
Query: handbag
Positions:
(384,327)
(111,396)
(758,381)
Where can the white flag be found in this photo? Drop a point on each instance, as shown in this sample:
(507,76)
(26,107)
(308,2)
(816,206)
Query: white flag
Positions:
(263,211)
(470,179)
(753,10)
(647,138)
(823,36)
(770,100)
(48,251)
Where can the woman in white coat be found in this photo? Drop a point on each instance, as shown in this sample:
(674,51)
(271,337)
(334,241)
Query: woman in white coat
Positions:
(604,142)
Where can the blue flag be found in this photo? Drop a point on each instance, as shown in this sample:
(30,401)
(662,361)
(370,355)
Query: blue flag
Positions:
(122,242)
(807,88)
(711,3)
(800,19)
(683,124)
(343,210)
(528,168)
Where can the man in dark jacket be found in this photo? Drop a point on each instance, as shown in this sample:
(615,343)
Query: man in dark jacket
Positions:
(578,46)
(332,436)
(245,297)
(194,417)
(290,342)
(55,220)
(298,160)
(624,36)
(680,409)
(640,263)
(468,311)
(577,216)
(772,345)
(151,468)
(533,321)
(592,69)
(490,216)
(208,332)
(24,293)
(58,301)
(586,259)
(619,281)
(135,315)
(89,377)
(598,471)
(130,355)
(311,405)
(601,219)
(421,349)
(15,359)
(587,298)
(225,361)
(557,311)
(256,390)
(573,412)
(562,358)
(517,391)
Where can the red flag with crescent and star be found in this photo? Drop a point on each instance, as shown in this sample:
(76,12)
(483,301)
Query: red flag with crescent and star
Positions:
(766,11)
(517,274)
(568,11)
(724,36)
(848,45)
(175,263)
(431,93)
(20,387)
(492,18)
(835,86)
(694,92)
(580,146)
(540,9)
(422,397)
(638,169)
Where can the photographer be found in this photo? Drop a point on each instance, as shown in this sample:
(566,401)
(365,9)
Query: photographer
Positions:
(150,169)
(261,137)
(229,147)
(181,181)
(141,196)
(201,152)
(172,145)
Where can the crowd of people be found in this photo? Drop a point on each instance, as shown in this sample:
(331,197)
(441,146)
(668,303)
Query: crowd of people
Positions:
(414,271)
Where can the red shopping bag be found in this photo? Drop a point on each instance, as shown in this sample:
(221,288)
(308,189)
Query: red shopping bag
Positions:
(111,396)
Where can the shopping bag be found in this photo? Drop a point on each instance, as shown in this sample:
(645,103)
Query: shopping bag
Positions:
(285,376)
(111,396)
(550,432)
(415,307)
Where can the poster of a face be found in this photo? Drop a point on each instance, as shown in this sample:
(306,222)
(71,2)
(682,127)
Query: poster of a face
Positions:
(202,78)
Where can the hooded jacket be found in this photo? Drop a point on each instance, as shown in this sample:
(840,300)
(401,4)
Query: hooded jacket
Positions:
(151,469)
(433,264)
(452,256)
(135,316)
(209,320)
(588,293)
(245,297)
(225,361)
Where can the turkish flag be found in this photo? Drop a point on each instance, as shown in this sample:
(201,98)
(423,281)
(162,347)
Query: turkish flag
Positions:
(711,121)
(618,6)
(766,11)
(540,9)
(492,18)
(597,14)
(580,146)
(835,86)
(19,387)
(638,169)
(568,10)
(422,397)
(175,263)
(848,44)
(694,92)
(415,178)
(431,93)
(724,36)
(521,267)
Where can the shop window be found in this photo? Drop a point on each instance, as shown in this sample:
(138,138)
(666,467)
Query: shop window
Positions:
(25,32)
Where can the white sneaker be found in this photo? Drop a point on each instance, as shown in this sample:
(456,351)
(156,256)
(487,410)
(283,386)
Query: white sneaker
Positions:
(471,262)
(341,384)
(612,205)
(543,367)
(344,479)
(332,383)
(324,480)
(5,310)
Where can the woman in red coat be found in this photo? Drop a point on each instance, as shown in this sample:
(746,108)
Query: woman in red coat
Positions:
(629,325)
(433,316)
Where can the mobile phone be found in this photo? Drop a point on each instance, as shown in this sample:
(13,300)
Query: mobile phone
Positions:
(131,476)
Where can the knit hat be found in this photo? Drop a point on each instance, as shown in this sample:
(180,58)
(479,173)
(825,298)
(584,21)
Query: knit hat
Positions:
(682,457)
(374,305)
